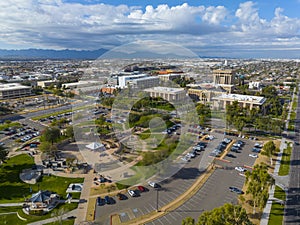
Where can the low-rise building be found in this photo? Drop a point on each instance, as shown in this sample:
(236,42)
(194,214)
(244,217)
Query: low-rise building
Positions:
(145,82)
(14,90)
(221,101)
(169,94)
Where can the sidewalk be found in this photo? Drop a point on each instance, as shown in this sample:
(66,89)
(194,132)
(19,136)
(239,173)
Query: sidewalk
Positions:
(53,219)
(278,181)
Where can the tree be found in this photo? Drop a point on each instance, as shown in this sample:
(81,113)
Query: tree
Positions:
(225,215)
(3,154)
(188,221)
(51,134)
(270,148)
(69,132)
(258,182)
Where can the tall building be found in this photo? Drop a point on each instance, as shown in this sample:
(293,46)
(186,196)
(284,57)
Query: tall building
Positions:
(224,79)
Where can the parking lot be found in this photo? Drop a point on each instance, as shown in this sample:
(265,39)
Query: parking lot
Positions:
(215,192)
(156,198)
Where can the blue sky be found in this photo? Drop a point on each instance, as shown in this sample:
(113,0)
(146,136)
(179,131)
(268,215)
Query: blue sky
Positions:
(228,28)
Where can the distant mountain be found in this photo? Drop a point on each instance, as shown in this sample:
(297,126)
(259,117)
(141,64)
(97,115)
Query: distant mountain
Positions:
(50,54)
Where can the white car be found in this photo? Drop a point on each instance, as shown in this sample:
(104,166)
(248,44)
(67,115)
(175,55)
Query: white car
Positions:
(132,193)
(152,184)
(240,169)
(253,155)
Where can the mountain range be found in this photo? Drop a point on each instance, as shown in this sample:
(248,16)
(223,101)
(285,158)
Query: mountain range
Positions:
(32,54)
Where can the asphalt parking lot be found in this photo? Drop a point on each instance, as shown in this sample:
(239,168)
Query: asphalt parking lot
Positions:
(215,192)
(170,189)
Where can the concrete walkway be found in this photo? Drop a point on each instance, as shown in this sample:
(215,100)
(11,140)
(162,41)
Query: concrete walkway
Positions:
(53,219)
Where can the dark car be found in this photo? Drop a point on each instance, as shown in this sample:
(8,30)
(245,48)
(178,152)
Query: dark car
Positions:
(107,200)
(121,196)
(231,155)
(236,190)
(100,201)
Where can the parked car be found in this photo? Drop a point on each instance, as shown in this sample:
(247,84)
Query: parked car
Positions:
(141,188)
(100,201)
(153,184)
(132,193)
(107,200)
(240,169)
(236,190)
(231,155)
(121,196)
(253,155)
(256,150)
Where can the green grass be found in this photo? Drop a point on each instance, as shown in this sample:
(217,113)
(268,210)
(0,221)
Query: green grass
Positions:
(8,125)
(12,189)
(285,161)
(13,218)
(277,210)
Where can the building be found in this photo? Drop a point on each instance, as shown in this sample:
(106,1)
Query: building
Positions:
(224,79)
(169,77)
(46,83)
(250,101)
(204,93)
(169,94)
(81,84)
(254,85)
(144,82)
(124,80)
(14,90)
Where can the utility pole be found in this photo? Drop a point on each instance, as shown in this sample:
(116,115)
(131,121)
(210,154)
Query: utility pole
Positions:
(157,190)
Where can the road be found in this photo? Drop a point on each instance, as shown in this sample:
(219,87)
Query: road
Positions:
(292,208)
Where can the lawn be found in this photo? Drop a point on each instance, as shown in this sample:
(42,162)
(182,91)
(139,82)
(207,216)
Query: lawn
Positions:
(277,210)
(285,161)
(13,218)
(12,189)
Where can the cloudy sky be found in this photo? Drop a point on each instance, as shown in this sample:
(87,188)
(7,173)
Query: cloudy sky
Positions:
(227,28)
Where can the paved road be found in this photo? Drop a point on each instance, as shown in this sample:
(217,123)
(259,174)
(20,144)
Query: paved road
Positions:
(292,208)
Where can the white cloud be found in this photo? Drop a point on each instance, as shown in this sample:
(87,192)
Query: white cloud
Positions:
(55,24)
(215,15)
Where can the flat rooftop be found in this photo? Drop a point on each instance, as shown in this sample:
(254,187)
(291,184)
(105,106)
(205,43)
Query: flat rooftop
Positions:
(12,86)
(242,98)
(165,90)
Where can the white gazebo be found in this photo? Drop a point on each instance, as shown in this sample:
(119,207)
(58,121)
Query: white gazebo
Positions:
(95,146)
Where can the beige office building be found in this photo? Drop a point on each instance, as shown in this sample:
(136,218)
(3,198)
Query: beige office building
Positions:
(224,79)
(169,94)
(14,90)
(220,102)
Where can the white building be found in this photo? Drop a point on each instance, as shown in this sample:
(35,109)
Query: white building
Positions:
(124,80)
(250,101)
(81,84)
(14,90)
(169,94)
(254,85)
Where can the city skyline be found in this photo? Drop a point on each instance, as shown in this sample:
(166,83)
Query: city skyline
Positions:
(241,29)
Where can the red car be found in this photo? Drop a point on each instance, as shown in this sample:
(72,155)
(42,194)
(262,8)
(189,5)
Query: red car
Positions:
(141,188)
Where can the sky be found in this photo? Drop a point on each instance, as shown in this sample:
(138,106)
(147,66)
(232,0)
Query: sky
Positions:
(227,28)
